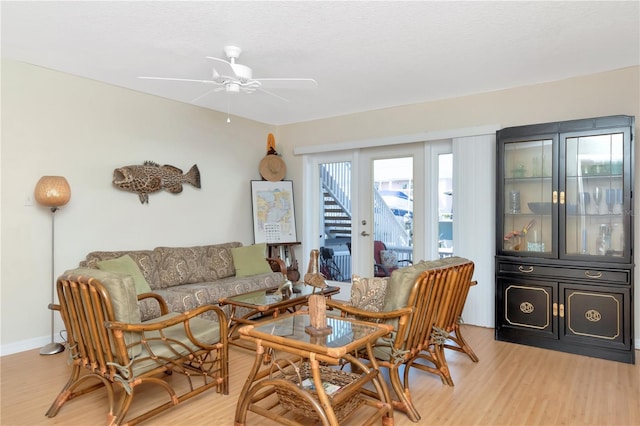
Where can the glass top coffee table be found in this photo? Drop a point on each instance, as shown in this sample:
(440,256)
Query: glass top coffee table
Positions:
(306,388)
(267,303)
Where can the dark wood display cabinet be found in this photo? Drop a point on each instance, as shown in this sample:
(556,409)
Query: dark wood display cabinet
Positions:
(564,240)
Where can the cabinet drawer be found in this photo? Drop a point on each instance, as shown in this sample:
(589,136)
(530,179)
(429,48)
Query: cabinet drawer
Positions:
(596,275)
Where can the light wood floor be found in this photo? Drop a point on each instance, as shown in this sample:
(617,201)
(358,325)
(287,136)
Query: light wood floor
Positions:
(511,385)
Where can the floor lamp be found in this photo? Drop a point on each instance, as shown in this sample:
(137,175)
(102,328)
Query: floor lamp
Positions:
(52,192)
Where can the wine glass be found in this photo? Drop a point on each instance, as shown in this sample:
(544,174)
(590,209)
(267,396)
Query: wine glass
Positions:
(610,198)
(617,209)
(584,199)
(597,198)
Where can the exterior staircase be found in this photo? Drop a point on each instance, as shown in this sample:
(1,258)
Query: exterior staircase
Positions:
(337,220)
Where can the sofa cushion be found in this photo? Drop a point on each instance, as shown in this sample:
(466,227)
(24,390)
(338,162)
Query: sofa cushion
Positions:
(186,265)
(250,260)
(145,259)
(188,296)
(221,260)
(126,265)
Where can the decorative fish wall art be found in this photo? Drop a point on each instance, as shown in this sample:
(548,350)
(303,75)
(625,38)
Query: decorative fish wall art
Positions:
(152,177)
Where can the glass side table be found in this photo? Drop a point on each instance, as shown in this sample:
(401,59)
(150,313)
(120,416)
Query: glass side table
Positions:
(306,384)
(264,303)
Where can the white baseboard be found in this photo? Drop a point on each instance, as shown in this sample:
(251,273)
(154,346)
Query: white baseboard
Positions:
(26,345)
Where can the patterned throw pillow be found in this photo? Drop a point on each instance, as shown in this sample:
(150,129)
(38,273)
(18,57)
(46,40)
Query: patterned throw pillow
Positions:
(389,258)
(368,293)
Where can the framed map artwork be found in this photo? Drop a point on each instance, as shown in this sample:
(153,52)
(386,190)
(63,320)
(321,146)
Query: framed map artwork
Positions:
(274,219)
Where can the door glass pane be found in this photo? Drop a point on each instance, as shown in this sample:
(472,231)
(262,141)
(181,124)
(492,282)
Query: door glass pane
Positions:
(529,207)
(595,195)
(392,214)
(335,226)
(445,205)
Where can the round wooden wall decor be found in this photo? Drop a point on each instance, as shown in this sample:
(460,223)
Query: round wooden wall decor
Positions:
(272,168)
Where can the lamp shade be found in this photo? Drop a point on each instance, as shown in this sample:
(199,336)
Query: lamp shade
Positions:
(52,191)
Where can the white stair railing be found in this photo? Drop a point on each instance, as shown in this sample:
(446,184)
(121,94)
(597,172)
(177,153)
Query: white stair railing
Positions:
(336,180)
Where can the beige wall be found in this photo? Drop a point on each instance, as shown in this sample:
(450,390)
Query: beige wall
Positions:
(616,92)
(57,124)
(611,93)
(54,123)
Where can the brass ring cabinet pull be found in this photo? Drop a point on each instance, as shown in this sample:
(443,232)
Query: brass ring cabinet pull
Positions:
(526,271)
(591,274)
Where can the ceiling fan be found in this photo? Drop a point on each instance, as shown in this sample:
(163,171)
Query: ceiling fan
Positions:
(232,77)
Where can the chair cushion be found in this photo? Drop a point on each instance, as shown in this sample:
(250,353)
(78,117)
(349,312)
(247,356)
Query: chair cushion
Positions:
(389,258)
(122,292)
(402,280)
(397,296)
(368,293)
(250,260)
(126,265)
(204,331)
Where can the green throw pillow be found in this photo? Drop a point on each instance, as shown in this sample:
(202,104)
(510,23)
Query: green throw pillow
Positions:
(126,265)
(250,260)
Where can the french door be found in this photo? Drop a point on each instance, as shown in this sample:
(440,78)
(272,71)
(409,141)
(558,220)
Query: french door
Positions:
(355,199)
(391,207)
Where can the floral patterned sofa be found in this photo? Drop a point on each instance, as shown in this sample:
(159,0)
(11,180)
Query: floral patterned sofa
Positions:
(189,277)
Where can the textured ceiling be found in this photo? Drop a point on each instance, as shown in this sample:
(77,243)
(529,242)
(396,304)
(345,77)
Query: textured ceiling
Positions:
(364,55)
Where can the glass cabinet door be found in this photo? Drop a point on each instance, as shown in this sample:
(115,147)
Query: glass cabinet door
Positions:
(595,195)
(529,210)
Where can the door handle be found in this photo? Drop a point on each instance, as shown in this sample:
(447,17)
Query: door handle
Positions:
(364,234)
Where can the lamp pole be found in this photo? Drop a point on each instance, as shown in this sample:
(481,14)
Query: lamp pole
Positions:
(53,347)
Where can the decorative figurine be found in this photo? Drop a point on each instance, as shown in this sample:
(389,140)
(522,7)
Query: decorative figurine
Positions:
(313,277)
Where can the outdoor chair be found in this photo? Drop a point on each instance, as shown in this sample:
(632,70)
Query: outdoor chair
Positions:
(386,261)
(108,344)
(418,301)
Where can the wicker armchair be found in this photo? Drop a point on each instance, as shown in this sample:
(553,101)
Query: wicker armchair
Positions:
(421,302)
(108,341)
(446,330)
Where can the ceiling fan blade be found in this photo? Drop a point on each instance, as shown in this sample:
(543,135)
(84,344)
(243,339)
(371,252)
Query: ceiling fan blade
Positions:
(189,80)
(223,67)
(260,89)
(288,83)
(208,92)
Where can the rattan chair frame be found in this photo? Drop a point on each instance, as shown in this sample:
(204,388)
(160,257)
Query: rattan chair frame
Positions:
(436,297)
(446,331)
(98,351)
